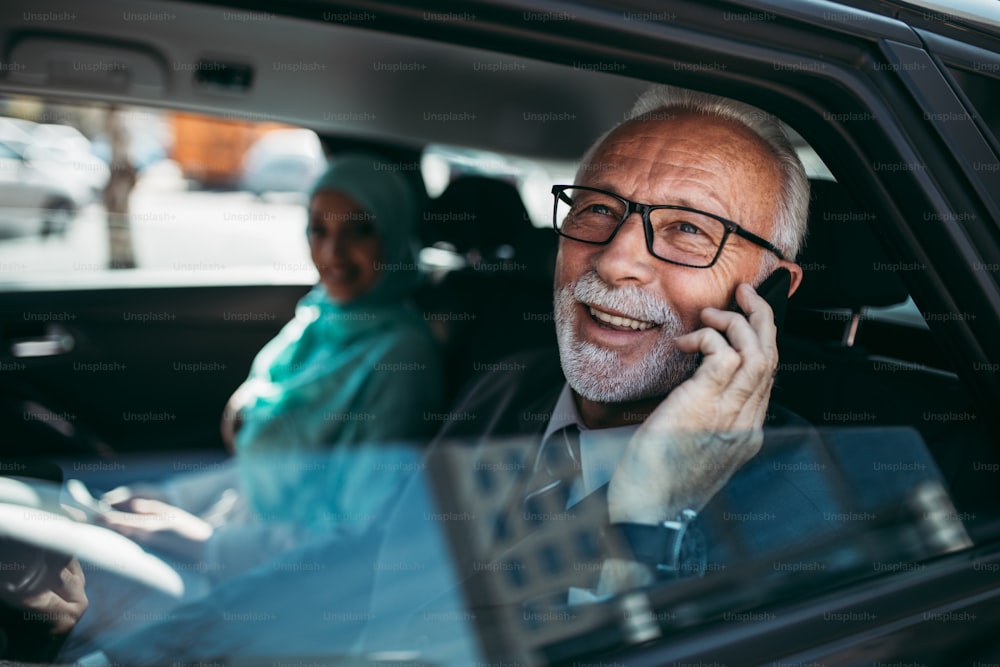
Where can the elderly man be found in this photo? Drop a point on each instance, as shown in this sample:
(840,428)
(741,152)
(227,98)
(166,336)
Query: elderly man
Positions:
(675,215)
(728,179)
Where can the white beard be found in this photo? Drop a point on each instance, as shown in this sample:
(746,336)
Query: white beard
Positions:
(599,374)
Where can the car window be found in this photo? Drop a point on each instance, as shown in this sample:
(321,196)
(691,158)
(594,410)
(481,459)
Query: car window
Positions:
(204,182)
(887,510)
(210,200)
(216,200)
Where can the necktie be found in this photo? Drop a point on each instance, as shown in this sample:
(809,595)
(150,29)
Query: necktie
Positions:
(556,468)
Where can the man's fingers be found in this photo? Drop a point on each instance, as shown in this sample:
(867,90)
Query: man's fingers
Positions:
(758,310)
(739,351)
(714,418)
(738,365)
(754,336)
(719,363)
(745,334)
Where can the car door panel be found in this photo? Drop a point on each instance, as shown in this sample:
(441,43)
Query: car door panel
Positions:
(139,369)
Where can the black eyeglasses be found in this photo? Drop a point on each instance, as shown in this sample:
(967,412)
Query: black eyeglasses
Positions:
(675,234)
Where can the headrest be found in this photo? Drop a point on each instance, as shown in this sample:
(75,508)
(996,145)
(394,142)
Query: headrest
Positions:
(483,214)
(843,263)
(476,212)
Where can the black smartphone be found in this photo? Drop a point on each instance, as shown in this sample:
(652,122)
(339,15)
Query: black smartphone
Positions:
(774,290)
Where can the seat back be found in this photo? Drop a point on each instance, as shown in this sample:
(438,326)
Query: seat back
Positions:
(834,371)
(500,302)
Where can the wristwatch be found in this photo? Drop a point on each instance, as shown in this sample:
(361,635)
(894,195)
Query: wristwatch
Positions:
(674,549)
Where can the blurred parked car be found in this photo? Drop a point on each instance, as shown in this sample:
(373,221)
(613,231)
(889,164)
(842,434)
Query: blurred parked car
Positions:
(16,132)
(32,200)
(63,152)
(283,161)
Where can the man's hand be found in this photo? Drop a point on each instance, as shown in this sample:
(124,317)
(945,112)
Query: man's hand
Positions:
(63,603)
(156,524)
(709,426)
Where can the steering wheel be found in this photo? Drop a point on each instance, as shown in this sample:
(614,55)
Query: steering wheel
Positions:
(37,540)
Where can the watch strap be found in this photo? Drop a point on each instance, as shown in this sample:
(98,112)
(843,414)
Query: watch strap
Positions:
(672,549)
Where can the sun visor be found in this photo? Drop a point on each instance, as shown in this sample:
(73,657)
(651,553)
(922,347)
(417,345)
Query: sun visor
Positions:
(71,63)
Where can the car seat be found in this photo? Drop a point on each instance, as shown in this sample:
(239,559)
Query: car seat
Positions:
(834,374)
(500,301)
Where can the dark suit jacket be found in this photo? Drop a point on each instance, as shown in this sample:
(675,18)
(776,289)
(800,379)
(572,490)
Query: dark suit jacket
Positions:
(782,495)
(805,486)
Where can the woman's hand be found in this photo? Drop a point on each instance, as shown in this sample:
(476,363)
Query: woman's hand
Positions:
(63,603)
(160,526)
(232,419)
(122,494)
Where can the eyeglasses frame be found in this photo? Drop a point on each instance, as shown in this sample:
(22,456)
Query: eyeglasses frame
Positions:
(644,211)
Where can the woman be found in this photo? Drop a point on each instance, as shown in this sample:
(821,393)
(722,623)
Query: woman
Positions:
(354,372)
(317,425)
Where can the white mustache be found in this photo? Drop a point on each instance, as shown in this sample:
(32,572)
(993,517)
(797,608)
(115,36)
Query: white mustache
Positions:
(630,301)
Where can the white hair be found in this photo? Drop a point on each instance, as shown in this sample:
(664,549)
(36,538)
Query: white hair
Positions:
(789,230)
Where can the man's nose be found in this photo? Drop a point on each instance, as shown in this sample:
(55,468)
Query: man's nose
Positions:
(625,259)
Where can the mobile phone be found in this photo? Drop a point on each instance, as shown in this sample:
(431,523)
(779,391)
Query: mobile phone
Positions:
(774,290)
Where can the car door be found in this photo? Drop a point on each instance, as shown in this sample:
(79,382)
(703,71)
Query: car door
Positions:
(139,369)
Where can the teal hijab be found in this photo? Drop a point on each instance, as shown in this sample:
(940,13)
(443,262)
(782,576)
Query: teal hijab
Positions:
(342,382)
(393,200)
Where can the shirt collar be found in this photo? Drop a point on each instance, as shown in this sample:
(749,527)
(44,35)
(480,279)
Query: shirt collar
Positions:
(600,449)
(563,414)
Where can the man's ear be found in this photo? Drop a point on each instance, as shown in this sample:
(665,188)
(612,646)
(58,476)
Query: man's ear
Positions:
(796,272)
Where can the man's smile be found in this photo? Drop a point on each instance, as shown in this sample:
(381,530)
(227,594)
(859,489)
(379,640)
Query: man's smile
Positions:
(617,321)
